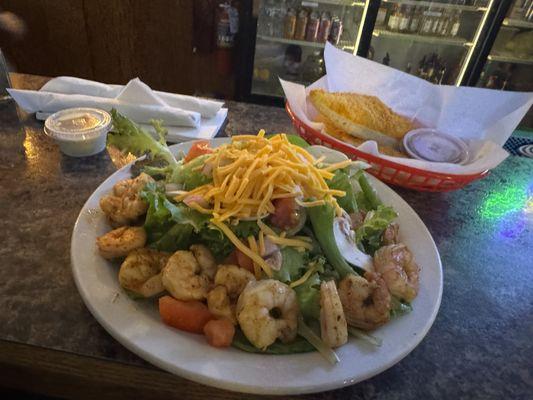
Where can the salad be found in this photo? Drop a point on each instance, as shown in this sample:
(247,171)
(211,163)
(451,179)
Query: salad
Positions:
(265,243)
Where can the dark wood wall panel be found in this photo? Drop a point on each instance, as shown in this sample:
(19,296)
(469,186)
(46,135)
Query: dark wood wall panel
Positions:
(56,40)
(116,40)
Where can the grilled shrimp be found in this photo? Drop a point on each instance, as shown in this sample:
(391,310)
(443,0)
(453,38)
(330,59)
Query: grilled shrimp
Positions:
(124,205)
(396,265)
(220,305)
(141,272)
(119,242)
(366,301)
(205,259)
(230,281)
(268,310)
(233,278)
(390,234)
(184,277)
(333,327)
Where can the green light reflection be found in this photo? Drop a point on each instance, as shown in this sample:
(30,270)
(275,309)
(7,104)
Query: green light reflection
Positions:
(505,201)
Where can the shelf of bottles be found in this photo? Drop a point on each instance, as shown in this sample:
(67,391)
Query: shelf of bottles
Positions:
(510,63)
(480,5)
(291,36)
(434,40)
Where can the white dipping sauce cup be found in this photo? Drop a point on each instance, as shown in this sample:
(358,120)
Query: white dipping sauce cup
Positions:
(79,132)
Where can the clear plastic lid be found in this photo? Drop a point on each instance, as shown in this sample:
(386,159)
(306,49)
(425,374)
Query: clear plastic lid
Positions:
(77,124)
(432,145)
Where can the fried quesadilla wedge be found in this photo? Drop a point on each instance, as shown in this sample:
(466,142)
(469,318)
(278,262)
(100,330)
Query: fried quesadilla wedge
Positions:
(354,141)
(362,116)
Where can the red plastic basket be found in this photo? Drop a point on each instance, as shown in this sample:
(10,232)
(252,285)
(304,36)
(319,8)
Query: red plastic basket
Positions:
(385,170)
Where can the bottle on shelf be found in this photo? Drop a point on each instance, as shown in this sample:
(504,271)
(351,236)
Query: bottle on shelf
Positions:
(386,59)
(455,24)
(301,24)
(437,17)
(394,18)
(325,27)
(289,24)
(382,16)
(336,30)
(445,26)
(426,24)
(414,24)
(313,23)
(403,24)
(440,25)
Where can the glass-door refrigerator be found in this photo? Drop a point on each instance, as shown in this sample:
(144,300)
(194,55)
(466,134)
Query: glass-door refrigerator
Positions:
(434,40)
(291,35)
(509,64)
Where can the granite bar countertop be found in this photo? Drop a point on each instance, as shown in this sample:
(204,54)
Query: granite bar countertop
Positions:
(480,345)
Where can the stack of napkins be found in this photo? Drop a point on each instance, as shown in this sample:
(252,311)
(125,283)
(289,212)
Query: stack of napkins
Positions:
(185,117)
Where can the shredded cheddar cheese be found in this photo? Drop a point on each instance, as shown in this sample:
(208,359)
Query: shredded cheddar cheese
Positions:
(252,171)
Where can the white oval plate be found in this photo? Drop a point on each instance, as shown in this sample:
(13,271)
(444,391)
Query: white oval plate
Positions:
(136,324)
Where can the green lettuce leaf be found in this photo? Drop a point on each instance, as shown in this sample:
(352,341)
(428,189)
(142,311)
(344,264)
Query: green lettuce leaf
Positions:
(216,241)
(190,174)
(341,181)
(291,265)
(169,226)
(128,136)
(299,345)
(370,233)
(308,295)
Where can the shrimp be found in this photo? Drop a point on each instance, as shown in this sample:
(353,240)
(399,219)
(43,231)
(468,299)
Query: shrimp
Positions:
(230,281)
(333,327)
(366,301)
(119,242)
(390,234)
(184,277)
(205,259)
(268,310)
(141,272)
(233,278)
(124,205)
(220,305)
(396,265)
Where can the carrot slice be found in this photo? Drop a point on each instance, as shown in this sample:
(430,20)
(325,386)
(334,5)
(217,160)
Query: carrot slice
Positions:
(219,332)
(190,316)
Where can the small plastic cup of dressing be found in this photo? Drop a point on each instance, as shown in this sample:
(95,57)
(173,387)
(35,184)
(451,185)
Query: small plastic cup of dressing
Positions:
(79,132)
(431,145)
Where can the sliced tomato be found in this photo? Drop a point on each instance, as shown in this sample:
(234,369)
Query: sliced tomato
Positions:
(219,332)
(285,213)
(232,258)
(190,316)
(244,261)
(198,148)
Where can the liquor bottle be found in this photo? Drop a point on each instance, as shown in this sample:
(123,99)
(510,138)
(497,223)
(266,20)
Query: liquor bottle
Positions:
(311,32)
(383,13)
(414,24)
(335,32)
(436,22)
(445,27)
(289,24)
(301,25)
(325,27)
(386,59)
(403,25)
(394,18)
(408,68)
(455,24)
(427,22)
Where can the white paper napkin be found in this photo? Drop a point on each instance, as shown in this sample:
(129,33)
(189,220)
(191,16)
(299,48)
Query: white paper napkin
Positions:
(71,85)
(484,118)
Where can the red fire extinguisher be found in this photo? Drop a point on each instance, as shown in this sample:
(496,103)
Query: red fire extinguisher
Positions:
(227,26)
